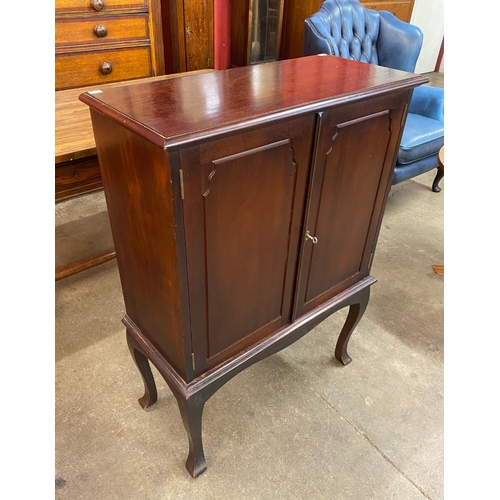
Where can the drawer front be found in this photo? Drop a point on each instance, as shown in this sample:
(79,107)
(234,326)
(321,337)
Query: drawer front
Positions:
(99,30)
(102,66)
(65,6)
(402,10)
(77,177)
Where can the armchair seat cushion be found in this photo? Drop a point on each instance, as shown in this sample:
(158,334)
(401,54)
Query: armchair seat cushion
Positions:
(422,136)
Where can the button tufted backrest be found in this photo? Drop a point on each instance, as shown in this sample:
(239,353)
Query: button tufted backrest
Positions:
(353,29)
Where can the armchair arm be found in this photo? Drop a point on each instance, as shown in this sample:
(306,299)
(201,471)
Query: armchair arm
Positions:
(428,101)
(317,38)
(399,43)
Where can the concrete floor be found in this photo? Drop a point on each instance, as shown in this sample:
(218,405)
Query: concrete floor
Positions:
(296,425)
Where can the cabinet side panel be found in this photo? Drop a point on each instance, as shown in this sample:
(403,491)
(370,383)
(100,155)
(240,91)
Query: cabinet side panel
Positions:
(137,185)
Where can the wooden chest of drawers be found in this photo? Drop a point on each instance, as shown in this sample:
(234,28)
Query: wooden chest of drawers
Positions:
(102,41)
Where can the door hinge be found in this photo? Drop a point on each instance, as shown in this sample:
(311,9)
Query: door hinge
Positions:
(403,118)
(370,261)
(192,361)
(181,183)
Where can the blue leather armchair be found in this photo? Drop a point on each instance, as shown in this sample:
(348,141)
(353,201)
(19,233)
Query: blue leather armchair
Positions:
(345,28)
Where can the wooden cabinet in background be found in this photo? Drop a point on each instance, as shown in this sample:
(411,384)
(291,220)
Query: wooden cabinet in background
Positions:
(296,11)
(402,9)
(103,41)
(188,26)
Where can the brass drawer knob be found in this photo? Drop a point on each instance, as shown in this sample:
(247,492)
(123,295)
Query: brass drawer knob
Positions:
(100,30)
(97,4)
(106,68)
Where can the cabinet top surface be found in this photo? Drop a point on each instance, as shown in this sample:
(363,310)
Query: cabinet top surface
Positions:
(177,112)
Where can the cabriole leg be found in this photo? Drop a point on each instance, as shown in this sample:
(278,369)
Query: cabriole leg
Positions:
(437,179)
(150,394)
(356,311)
(191,413)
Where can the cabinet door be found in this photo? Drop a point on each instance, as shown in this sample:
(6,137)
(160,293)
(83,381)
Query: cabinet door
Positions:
(244,200)
(352,175)
(198,19)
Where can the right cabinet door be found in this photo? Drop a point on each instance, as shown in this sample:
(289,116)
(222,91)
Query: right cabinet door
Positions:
(350,182)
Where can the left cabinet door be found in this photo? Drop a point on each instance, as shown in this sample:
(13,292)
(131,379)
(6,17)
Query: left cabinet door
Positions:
(244,198)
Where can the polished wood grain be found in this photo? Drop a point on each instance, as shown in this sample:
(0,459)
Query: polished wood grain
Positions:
(74,137)
(140,185)
(240,32)
(84,68)
(245,207)
(199,36)
(294,14)
(156,37)
(438,269)
(68,6)
(102,41)
(84,264)
(401,9)
(230,314)
(77,168)
(189,110)
(348,199)
(70,32)
(77,177)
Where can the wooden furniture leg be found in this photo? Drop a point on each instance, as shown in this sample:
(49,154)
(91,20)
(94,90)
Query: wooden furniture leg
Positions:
(150,393)
(437,179)
(439,268)
(84,264)
(191,409)
(440,172)
(191,397)
(356,310)
(191,412)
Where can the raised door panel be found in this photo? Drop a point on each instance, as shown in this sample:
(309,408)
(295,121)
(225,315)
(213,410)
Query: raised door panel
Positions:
(243,209)
(352,175)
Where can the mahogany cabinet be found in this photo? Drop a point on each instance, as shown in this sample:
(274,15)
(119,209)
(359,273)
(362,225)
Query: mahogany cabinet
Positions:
(245,207)
(102,41)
